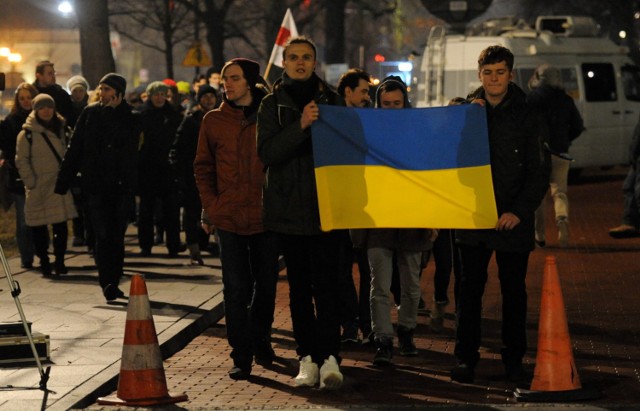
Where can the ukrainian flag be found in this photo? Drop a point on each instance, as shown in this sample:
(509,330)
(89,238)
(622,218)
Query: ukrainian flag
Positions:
(408,168)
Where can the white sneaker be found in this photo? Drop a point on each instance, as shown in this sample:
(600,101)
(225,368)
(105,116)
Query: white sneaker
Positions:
(308,375)
(330,375)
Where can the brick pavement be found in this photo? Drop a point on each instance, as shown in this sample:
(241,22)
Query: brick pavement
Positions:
(600,279)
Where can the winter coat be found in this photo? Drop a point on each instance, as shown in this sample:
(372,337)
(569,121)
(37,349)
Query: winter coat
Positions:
(290,201)
(159,126)
(38,168)
(183,153)
(229,174)
(9,130)
(104,149)
(563,118)
(634,147)
(401,239)
(520,168)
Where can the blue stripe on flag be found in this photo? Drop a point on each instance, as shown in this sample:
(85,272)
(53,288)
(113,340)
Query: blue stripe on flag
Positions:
(409,139)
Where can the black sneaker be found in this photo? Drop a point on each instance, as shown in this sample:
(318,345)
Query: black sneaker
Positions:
(383,356)
(264,355)
(463,373)
(350,333)
(406,346)
(238,373)
(60,267)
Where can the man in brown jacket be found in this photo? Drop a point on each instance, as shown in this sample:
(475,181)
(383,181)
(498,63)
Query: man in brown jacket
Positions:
(229,176)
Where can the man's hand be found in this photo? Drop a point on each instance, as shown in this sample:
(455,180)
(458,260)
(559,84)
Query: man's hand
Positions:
(208,228)
(115,102)
(310,114)
(507,222)
(480,101)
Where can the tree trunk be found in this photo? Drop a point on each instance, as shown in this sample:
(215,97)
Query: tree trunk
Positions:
(334,31)
(95,45)
(167,33)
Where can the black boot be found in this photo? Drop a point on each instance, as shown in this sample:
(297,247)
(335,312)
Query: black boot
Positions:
(59,266)
(45,267)
(405,342)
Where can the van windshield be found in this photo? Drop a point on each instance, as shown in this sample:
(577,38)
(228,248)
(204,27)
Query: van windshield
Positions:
(599,82)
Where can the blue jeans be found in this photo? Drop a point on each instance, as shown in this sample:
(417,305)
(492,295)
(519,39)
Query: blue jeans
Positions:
(249,276)
(512,271)
(24,236)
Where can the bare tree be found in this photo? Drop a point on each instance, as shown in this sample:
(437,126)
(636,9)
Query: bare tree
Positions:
(141,20)
(95,46)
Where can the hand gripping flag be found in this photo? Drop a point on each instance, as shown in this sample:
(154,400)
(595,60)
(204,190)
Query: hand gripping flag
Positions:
(287,30)
(412,168)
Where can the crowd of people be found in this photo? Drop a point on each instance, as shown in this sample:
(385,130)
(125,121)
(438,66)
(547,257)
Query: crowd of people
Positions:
(236,156)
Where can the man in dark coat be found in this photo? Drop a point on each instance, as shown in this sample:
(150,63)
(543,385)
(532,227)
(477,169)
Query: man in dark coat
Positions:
(104,148)
(290,206)
(520,170)
(160,122)
(46,83)
(630,226)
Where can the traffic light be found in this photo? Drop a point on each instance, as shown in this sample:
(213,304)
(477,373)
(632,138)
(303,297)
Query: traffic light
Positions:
(378,58)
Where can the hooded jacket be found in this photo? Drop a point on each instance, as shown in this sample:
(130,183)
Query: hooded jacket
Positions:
(228,172)
(520,170)
(38,168)
(290,201)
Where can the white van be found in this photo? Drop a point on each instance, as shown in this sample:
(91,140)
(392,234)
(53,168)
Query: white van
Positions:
(596,72)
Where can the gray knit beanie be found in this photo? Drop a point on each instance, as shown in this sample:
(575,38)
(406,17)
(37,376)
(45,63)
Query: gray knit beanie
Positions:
(42,100)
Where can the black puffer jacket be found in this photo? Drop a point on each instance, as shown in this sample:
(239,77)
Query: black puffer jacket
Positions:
(104,148)
(290,202)
(520,169)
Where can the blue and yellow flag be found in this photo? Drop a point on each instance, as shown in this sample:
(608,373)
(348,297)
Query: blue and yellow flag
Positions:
(407,168)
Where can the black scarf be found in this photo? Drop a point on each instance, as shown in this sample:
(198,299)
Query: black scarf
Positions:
(302,92)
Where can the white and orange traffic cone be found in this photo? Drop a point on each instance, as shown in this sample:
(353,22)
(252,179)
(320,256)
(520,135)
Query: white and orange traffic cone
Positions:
(142,380)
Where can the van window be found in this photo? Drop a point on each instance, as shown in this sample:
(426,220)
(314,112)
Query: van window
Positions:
(599,82)
(631,82)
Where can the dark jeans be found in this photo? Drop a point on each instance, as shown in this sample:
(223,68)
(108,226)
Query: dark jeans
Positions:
(109,213)
(313,272)
(191,221)
(348,294)
(512,271)
(364,305)
(631,192)
(170,218)
(446,258)
(41,240)
(249,275)
(24,234)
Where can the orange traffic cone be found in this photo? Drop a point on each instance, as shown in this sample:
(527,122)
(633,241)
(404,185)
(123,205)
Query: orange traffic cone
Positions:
(142,380)
(555,377)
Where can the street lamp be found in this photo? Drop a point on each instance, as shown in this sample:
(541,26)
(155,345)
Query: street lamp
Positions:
(4,51)
(65,8)
(14,58)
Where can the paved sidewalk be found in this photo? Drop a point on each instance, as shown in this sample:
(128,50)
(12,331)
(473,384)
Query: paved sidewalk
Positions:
(87,332)
(601,283)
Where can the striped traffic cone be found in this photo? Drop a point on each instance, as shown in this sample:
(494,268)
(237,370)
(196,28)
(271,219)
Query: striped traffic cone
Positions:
(142,380)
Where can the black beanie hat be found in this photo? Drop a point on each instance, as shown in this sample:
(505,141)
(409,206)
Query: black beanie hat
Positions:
(250,69)
(205,89)
(116,81)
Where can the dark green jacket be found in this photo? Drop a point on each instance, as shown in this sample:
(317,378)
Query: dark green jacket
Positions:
(520,170)
(290,201)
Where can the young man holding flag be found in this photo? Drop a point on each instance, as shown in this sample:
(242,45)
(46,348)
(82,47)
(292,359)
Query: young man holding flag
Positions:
(290,206)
